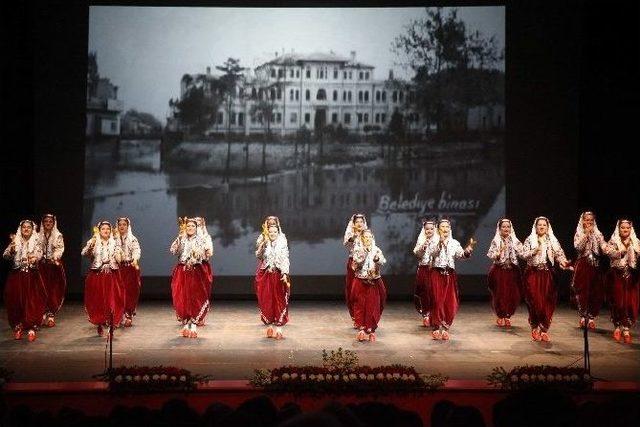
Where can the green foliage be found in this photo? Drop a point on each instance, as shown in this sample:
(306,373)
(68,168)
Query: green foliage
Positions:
(537,376)
(339,360)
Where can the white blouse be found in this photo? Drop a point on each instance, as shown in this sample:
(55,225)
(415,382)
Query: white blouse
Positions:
(104,254)
(445,254)
(366,265)
(191,250)
(548,252)
(274,255)
(23,250)
(52,249)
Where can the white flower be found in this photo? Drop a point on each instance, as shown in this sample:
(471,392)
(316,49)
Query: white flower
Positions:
(524,377)
(566,377)
(336,377)
(285,376)
(173,378)
(163,377)
(389,376)
(353,376)
(379,376)
(558,377)
(329,377)
(128,378)
(294,376)
(412,377)
(362,376)
(574,377)
(345,378)
(542,378)
(118,379)
(551,377)
(155,377)
(312,377)
(405,377)
(183,378)
(303,377)
(396,376)
(514,378)
(321,377)
(136,378)
(370,377)
(145,378)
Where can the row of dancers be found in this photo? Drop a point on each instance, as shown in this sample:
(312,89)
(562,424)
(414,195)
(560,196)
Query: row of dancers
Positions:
(36,285)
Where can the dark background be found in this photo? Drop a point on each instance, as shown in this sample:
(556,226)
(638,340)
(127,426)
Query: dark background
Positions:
(571,116)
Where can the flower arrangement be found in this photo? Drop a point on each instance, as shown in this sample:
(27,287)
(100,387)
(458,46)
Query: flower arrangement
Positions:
(155,378)
(520,377)
(339,360)
(340,373)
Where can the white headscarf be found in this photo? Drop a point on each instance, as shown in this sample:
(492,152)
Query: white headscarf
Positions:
(265,227)
(422,237)
(553,246)
(348,232)
(54,231)
(594,245)
(202,231)
(635,243)
(129,235)
(112,241)
(190,248)
(512,253)
(23,248)
(201,226)
(440,221)
(278,253)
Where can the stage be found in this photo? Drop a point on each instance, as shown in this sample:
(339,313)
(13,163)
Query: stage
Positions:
(233,343)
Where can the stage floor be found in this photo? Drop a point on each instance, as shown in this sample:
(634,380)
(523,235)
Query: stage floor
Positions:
(233,343)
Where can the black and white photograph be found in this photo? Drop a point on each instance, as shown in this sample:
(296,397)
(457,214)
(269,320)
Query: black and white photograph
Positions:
(223,113)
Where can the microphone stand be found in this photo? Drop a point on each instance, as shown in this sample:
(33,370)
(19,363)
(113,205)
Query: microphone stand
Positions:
(110,338)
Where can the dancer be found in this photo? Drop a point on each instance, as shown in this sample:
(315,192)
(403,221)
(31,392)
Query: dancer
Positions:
(443,278)
(208,252)
(357,223)
(623,279)
(588,277)
(51,267)
(422,289)
(189,281)
(25,296)
(504,276)
(104,294)
(129,267)
(542,251)
(368,290)
(272,283)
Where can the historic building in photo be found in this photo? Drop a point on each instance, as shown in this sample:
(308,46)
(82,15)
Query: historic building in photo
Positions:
(103,106)
(297,91)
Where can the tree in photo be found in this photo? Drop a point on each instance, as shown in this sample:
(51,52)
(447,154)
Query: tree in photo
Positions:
(228,85)
(197,108)
(136,122)
(454,68)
